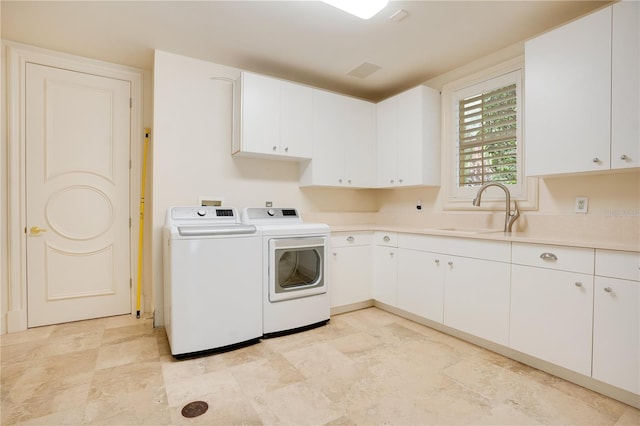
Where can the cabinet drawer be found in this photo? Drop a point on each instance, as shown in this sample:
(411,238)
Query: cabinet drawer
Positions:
(618,264)
(386,238)
(348,239)
(574,259)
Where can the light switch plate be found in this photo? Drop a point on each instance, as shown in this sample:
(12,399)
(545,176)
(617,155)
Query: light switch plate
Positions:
(582,204)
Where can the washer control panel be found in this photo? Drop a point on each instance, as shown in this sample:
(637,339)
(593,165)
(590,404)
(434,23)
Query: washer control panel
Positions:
(208,213)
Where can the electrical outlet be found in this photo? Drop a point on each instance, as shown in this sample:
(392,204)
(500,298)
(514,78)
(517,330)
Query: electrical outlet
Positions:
(582,204)
(419,205)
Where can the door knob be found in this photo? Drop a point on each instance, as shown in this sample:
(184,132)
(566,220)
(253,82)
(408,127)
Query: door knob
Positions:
(34,230)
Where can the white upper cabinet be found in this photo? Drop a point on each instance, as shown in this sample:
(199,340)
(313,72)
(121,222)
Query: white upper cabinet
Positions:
(625,86)
(581,94)
(343,142)
(274,118)
(408,139)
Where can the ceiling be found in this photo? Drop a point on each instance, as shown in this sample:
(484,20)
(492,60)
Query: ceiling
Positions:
(304,41)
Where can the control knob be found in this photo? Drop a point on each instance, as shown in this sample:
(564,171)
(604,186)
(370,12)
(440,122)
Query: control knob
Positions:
(202,212)
(271,212)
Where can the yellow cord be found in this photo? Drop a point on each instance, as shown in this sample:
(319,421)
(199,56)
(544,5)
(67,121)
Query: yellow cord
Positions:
(140,239)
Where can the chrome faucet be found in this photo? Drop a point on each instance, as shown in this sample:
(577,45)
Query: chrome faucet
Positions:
(509,217)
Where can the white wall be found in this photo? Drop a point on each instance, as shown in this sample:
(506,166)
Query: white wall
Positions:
(192,155)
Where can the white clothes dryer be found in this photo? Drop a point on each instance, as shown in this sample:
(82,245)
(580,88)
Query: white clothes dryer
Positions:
(212,280)
(294,270)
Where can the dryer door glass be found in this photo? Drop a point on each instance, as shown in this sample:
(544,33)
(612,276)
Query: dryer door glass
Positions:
(298,268)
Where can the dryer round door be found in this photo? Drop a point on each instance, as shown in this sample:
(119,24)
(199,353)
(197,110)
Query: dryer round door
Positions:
(296,267)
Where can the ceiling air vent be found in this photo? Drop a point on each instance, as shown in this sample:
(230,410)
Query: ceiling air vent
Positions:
(364,70)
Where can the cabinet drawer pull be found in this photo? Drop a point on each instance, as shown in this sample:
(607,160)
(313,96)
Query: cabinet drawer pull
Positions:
(386,239)
(450,263)
(624,157)
(548,256)
(437,261)
(578,284)
(274,148)
(608,289)
(350,239)
(596,160)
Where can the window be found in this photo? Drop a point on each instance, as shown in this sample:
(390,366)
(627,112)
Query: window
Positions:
(483,137)
(488,137)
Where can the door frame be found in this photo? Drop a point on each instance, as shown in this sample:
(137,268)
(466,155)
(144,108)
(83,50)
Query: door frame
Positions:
(18,55)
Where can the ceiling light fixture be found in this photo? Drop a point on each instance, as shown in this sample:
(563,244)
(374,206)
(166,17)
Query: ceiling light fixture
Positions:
(363,9)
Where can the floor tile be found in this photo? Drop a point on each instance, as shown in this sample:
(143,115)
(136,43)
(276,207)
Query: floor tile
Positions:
(365,367)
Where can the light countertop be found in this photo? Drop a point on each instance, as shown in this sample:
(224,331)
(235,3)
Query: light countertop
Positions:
(499,235)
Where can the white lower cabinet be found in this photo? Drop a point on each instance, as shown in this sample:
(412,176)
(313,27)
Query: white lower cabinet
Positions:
(469,292)
(476,297)
(421,283)
(551,315)
(552,304)
(616,320)
(350,268)
(385,268)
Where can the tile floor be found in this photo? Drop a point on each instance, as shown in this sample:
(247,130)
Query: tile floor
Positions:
(365,367)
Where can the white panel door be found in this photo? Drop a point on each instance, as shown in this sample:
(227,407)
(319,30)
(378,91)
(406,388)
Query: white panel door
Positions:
(551,316)
(568,97)
(476,297)
(77,202)
(421,283)
(625,85)
(616,333)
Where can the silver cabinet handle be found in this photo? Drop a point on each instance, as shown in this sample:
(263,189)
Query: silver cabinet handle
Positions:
(450,263)
(624,157)
(335,254)
(437,261)
(578,284)
(596,160)
(350,239)
(274,148)
(608,289)
(340,180)
(391,181)
(391,253)
(400,180)
(386,238)
(286,149)
(548,256)
(349,181)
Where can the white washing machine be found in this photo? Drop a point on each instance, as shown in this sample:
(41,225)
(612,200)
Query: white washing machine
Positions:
(294,270)
(212,280)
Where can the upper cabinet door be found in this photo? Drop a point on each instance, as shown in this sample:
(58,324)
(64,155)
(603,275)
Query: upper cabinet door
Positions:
(408,133)
(568,97)
(296,120)
(386,142)
(275,118)
(260,121)
(625,86)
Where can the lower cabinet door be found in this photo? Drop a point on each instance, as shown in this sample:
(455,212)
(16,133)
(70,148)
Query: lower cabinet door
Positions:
(476,297)
(616,333)
(420,283)
(551,316)
(350,278)
(385,269)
